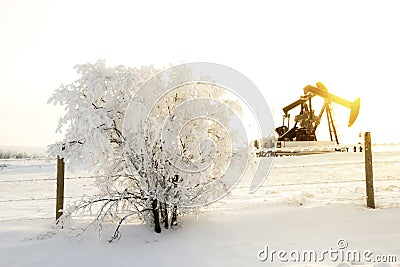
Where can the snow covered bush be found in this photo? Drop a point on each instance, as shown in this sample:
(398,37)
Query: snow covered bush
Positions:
(152,163)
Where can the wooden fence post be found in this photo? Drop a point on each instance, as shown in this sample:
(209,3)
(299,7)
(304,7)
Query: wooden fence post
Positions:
(60,187)
(368,171)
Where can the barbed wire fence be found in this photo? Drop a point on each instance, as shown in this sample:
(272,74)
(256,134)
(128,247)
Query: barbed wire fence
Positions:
(30,204)
(21,205)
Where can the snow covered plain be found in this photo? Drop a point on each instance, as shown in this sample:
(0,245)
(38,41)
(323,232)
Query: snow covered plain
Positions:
(307,203)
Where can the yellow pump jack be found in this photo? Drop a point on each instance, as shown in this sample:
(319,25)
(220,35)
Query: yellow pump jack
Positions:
(306,122)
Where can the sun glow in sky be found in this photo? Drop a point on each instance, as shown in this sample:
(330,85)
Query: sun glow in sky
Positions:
(350,46)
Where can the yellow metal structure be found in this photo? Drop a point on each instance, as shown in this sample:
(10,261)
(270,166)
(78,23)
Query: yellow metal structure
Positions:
(321,91)
(306,122)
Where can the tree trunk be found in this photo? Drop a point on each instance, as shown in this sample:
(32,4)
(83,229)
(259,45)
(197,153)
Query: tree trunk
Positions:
(156,216)
(165,215)
(174,220)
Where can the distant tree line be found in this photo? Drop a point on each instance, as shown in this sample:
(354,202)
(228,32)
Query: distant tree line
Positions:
(19,155)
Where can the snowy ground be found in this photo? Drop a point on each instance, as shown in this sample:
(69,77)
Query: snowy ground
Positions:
(307,203)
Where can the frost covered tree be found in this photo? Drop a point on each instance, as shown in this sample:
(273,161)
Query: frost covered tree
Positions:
(171,163)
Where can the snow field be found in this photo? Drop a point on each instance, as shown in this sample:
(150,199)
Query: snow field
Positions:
(307,202)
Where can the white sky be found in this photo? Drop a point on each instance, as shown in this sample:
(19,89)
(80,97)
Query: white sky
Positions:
(351,46)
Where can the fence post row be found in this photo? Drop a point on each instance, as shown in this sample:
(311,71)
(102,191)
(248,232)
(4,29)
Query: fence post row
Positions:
(60,187)
(368,171)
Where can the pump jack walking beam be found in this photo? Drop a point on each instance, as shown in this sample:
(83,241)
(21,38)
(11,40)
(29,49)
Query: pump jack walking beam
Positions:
(323,92)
